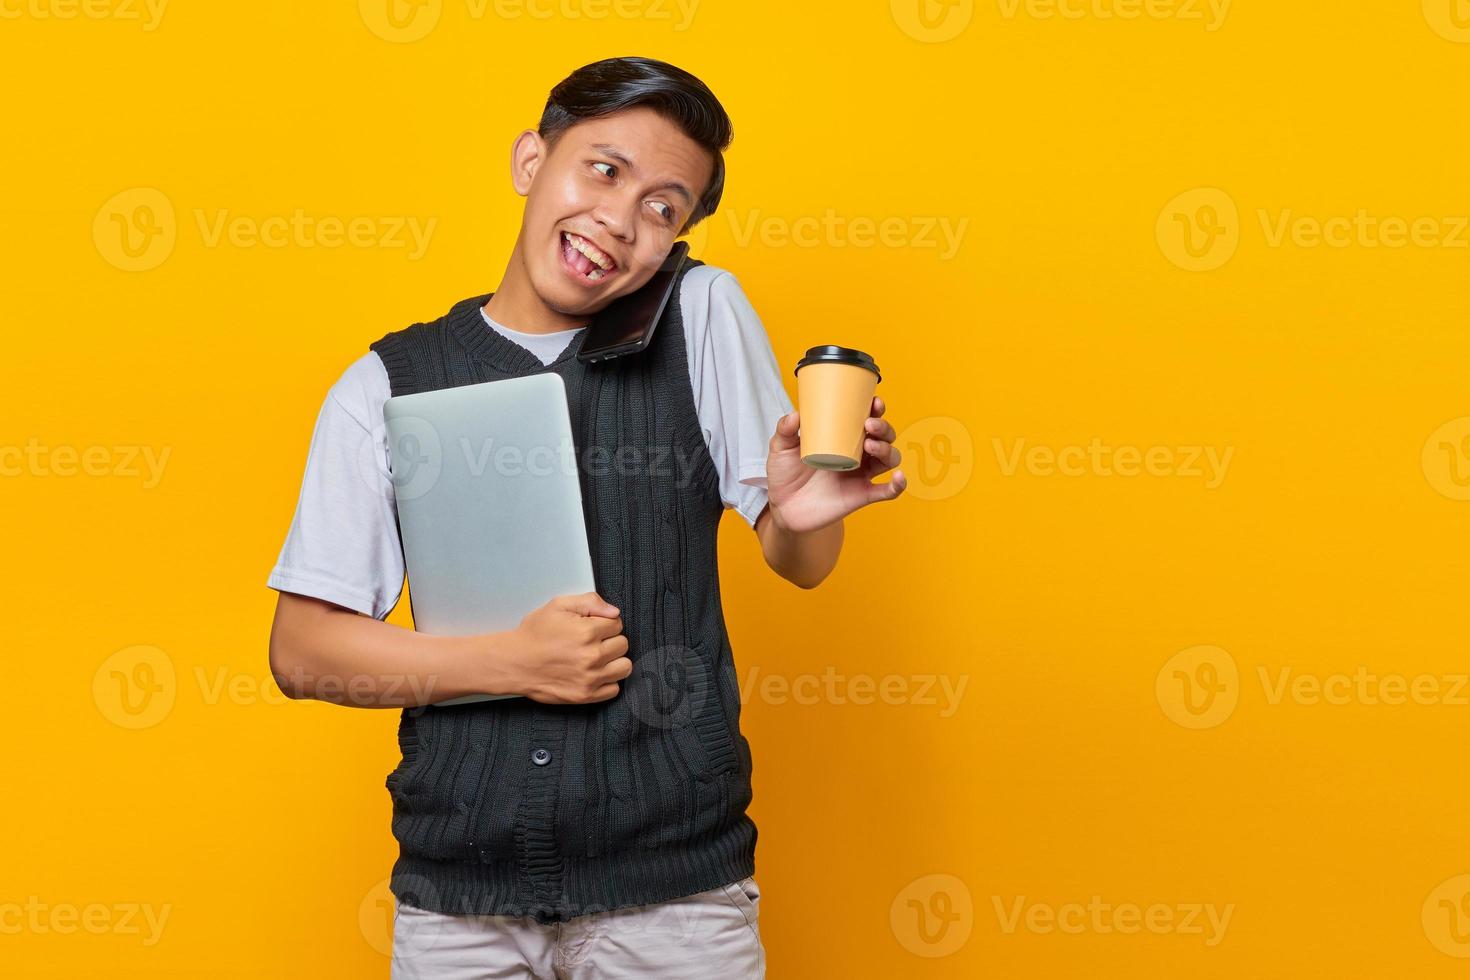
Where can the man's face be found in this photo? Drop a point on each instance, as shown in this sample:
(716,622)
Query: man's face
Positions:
(619,187)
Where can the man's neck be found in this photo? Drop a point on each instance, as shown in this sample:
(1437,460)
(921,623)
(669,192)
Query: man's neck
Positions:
(516,305)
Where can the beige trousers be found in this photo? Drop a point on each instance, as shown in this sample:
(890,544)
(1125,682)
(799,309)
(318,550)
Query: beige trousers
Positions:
(709,934)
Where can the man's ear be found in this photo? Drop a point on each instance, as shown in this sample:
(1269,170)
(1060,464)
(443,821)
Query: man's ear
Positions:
(526,156)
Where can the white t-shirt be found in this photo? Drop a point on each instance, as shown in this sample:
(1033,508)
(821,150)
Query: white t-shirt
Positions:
(343,544)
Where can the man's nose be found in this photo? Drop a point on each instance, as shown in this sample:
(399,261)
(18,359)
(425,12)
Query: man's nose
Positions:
(617,213)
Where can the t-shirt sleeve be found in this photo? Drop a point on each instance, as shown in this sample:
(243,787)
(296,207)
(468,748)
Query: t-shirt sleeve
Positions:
(343,544)
(738,389)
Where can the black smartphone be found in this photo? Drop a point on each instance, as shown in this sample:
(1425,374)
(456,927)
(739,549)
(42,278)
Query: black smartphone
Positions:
(626,326)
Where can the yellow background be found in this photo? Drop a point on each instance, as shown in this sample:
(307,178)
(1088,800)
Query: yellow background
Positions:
(1072,767)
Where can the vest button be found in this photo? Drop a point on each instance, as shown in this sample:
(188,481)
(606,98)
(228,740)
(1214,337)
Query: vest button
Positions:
(541,757)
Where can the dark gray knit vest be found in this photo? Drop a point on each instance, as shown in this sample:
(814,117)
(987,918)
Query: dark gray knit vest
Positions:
(519,808)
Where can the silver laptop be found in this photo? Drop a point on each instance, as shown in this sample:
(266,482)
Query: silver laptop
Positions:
(489,506)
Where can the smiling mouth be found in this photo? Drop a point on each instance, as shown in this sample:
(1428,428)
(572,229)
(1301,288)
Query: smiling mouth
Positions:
(586,261)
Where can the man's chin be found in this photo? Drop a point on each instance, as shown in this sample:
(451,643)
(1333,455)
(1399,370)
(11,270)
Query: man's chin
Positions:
(571,302)
(572,311)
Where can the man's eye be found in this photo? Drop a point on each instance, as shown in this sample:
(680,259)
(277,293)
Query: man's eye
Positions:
(609,166)
(667,213)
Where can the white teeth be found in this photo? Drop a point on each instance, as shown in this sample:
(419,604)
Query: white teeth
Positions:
(588,249)
(595,274)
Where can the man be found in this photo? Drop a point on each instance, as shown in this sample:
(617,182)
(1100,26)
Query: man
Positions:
(595,826)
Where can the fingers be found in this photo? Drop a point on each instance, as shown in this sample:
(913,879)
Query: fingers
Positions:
(605,693)
(786,432)
(880,429)
(586,604)
(886,454)
(614,671)
(878,442)
(603,627)
(882,454)
(612,649)
(878,492)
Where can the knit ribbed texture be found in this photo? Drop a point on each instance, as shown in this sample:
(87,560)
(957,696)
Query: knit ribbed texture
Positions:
(644,797)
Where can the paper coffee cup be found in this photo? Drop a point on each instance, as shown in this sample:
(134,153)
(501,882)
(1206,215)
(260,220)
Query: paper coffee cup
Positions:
(834,391)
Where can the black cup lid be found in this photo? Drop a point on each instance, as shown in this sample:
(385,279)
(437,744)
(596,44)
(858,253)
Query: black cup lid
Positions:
(832,354)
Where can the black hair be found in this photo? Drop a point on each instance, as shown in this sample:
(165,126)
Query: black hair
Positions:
(616,84)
